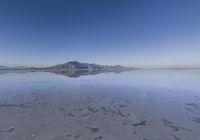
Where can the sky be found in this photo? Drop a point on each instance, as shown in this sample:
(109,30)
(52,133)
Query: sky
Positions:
(108,32)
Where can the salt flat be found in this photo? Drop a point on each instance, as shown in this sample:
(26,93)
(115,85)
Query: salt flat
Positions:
(140,105)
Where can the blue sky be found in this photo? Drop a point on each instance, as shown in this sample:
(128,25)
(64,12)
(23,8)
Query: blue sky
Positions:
(127,32)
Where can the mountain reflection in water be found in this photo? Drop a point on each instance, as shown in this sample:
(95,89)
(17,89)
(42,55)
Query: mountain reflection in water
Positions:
(68,73)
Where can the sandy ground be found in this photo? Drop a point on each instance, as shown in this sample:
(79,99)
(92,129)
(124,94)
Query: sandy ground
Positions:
(99,113)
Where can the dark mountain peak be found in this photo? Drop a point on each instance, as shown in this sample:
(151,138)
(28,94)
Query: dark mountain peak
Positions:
(73,62)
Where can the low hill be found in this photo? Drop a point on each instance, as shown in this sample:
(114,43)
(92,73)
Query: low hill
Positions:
(13,68)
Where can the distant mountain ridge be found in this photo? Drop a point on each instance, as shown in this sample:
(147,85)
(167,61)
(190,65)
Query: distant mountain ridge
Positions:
(71,65)
(3,67)
(14,68)
(75,65)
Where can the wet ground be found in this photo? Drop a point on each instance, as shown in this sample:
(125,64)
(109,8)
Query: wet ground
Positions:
(139,106)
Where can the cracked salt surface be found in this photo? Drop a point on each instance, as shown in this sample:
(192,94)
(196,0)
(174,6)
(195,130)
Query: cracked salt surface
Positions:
(138,105)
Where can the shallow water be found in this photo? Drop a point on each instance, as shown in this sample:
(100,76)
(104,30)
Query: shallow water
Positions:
(139,105)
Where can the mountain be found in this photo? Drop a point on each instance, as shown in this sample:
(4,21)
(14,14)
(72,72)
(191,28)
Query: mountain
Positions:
(72,69)
(75,65)
(4,67)
(13,68)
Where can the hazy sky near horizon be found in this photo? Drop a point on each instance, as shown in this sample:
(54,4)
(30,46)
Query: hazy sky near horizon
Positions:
(127,32)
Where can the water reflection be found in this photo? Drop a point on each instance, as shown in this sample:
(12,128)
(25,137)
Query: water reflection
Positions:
(68,73)
(75,74)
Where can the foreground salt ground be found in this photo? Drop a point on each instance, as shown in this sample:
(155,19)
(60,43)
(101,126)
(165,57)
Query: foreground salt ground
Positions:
(99,113)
